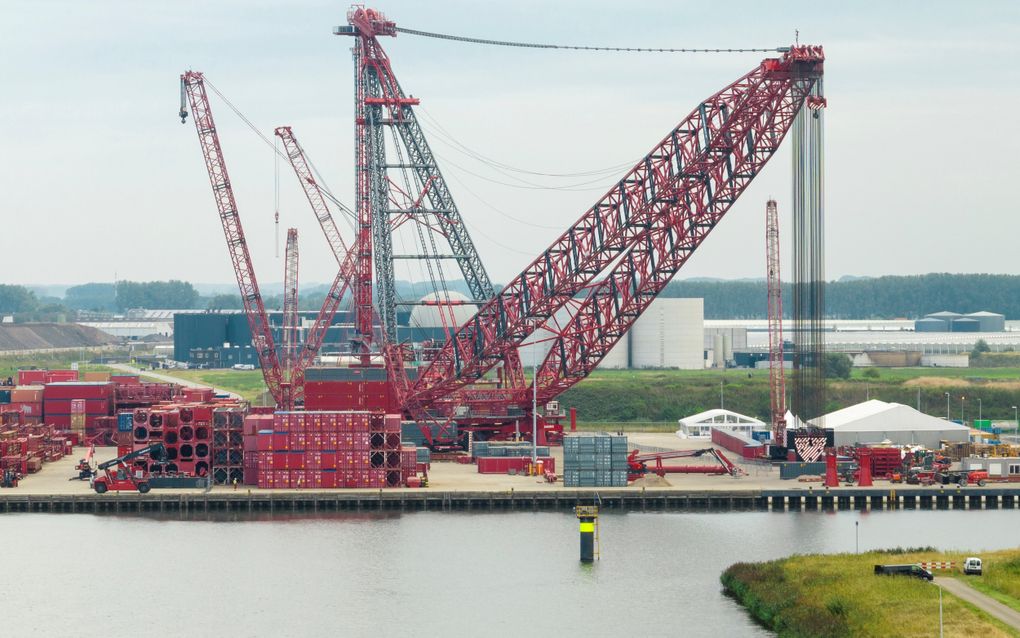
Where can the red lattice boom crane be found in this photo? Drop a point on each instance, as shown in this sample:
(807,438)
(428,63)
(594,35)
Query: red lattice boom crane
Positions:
(603,271)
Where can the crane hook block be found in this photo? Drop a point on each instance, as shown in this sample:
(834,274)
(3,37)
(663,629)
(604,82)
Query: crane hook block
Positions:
(183,115)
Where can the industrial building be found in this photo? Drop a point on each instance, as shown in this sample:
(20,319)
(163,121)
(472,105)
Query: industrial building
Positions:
(947,321)
(670,334)
(877,421)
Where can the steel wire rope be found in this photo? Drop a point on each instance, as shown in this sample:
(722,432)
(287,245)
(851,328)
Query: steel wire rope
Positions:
(499,211)
(322,186)
(523,182)
(536,45)
(441,132)
(526,186)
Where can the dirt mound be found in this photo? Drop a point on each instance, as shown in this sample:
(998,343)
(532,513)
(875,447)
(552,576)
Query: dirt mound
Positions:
(651,480)
(48,336)
(957,382)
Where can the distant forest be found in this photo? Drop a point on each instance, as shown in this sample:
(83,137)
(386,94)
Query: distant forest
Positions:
(888,297)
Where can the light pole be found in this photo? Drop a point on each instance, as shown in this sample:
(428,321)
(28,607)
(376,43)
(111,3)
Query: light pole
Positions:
(941,634)
(962,418)
(1016,420)
(979,409)
(857,537)
(534,407)
(947,406)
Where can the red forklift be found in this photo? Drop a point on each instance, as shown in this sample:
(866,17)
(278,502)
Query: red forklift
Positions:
(118,474)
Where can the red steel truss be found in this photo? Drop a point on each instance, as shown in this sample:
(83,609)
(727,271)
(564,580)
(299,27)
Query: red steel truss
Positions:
(193,88)
(636,237)
(290,303)
(777,376)
(348,260)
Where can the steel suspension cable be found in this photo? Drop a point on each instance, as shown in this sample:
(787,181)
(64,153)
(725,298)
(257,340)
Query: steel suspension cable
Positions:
(535,45)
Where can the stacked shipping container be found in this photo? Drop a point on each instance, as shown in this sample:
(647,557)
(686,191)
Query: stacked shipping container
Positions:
(333,450)
(591,460)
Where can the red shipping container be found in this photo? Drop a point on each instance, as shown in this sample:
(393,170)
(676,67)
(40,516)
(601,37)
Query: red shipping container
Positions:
(28,409)
(251,443)
(75,390)
(328,479)
(281,441)
(392,423)
(31,377)
(125,379)
(264,441)
(296,461)
(57,376)
(314,478)
(281,422)
(27,394)
(280,460)
(327,460)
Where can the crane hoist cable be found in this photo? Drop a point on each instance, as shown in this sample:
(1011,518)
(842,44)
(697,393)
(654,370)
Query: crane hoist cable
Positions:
(535,45)
(347,211)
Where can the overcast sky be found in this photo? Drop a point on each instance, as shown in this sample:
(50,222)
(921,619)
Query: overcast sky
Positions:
(100,179)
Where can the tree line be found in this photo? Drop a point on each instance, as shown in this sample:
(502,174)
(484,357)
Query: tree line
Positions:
(889,297)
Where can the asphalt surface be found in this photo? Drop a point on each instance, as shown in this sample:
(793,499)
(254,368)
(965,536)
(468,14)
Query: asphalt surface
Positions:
(166,378)
(994,608)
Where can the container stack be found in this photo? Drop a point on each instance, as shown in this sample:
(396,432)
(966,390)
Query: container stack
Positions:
(74,406)
(26,400)
(334,450)
(594,460)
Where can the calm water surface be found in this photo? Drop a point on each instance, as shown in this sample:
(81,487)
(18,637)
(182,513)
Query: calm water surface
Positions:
(423,574)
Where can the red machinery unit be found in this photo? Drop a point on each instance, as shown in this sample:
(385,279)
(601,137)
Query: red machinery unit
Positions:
(118,475)
(652,463)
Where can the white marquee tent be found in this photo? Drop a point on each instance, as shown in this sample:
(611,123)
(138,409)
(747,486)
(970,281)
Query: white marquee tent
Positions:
(876,421)
(699,426)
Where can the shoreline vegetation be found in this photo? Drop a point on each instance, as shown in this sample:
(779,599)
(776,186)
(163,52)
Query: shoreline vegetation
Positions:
(839,594)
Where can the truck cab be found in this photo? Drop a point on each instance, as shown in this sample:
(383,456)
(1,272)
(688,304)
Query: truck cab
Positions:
(972,566)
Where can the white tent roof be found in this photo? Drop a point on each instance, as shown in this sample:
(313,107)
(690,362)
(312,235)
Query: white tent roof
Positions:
(719,416)
(879,416)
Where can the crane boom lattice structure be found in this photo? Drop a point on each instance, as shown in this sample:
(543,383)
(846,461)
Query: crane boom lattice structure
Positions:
(290,303)
(601,273)
(777,374)
(628,246)
(193,93)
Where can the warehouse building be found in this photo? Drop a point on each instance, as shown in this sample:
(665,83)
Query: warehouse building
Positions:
(877,421)
(668,334)
(947,321)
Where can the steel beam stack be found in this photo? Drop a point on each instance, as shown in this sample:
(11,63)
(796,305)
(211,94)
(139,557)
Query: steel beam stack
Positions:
(228,446)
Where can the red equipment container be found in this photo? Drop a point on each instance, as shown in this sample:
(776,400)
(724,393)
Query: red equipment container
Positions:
(31,377)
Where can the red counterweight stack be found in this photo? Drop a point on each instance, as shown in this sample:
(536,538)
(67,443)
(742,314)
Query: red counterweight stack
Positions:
(324,450)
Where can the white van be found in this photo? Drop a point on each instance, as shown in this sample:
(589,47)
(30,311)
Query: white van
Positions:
(972,566)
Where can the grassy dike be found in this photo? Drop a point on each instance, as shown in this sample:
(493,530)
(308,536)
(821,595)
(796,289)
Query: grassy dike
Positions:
(839,595)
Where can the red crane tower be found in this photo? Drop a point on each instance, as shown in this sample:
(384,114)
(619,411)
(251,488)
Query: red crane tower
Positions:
(777,375)
(290,303)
